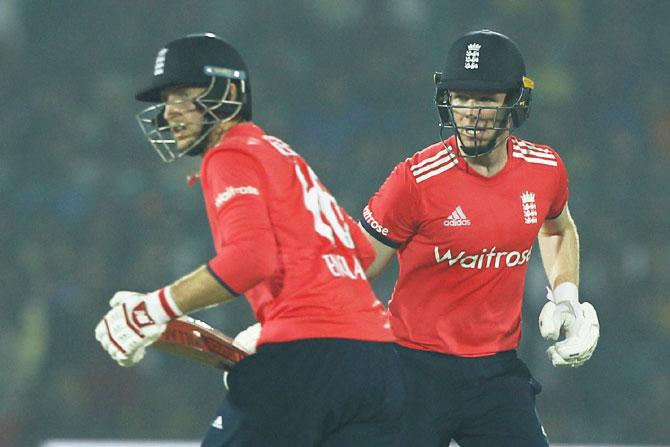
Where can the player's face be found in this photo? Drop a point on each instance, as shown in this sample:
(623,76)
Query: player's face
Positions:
(476,116)
(182,115)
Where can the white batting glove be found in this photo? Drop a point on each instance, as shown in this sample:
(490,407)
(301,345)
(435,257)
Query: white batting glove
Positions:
(246,341)
(135,321)
(578,321)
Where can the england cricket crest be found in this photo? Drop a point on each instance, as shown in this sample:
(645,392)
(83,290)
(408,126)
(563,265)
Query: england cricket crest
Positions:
(529,207)
(472,56)
(159,66)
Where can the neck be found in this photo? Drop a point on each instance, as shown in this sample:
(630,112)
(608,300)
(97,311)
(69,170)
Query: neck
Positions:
(218,133)
(489,164)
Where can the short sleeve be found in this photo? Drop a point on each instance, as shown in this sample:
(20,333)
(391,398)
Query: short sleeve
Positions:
(232,177)
(364,249)
(246,248)
(562,191)
(391,213)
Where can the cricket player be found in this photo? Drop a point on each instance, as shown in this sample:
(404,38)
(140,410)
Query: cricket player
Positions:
(461,215)
(325,372)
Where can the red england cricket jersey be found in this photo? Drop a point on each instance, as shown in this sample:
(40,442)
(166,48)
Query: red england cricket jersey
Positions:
(464,242)
(282,240)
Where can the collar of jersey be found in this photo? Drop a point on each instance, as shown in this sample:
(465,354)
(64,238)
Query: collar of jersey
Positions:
(245,129)
(469,171)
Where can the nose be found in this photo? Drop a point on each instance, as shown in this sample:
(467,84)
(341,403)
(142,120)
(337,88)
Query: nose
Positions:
(471,108)
(471,104)
(176,107)
(171,111)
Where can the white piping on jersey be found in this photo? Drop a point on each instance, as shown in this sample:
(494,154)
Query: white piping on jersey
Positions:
(435,164)
(426,168)
(532,154)
(436,172)
(428,160)
(537,153)
(534,160)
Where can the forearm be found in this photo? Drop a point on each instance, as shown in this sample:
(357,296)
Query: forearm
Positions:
(563,313)
(198,290)
(374,271)
(560,254)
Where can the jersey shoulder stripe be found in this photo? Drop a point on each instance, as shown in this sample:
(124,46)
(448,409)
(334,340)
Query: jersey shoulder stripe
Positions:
(431,162)
(533,153)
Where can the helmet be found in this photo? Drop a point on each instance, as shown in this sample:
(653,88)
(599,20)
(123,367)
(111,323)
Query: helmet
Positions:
(196,60)
(485,60)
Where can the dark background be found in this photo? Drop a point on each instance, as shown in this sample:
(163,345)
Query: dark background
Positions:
(88,208)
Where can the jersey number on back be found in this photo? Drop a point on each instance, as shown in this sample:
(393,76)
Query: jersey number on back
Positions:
(323,205)
(317,201)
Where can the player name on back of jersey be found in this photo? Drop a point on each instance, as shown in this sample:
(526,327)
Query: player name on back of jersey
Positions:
(338,266)
(488,258)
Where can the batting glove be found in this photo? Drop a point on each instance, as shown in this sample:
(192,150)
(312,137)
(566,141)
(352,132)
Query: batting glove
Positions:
(135,321)
(578,321)
(246,341)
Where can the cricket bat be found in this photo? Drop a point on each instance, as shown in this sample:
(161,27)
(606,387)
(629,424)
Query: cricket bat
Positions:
(197,341)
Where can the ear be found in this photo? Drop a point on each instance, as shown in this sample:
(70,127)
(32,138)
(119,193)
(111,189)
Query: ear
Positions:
(233,92)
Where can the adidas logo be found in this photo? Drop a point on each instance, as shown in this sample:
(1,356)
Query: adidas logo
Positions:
(218,423)
(457,219)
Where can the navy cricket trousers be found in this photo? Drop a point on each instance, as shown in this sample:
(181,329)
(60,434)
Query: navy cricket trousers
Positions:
(315,392)
(477,401)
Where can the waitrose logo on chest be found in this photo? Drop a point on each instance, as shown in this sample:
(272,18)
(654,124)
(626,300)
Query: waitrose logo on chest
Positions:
(487,258)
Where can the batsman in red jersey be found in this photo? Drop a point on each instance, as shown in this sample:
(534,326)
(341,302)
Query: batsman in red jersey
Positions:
(325,372)
(462,216)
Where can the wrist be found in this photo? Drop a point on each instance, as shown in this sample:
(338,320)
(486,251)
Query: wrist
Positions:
(566,291)
(161,306)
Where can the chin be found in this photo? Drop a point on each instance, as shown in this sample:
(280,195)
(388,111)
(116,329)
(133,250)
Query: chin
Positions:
(472,142)
(472,149)
(473,145)
(184,145)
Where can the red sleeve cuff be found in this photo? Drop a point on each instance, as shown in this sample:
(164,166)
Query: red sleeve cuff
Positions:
(221,281)
(377,235)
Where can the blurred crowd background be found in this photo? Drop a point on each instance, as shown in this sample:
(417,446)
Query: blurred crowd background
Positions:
(89,209)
